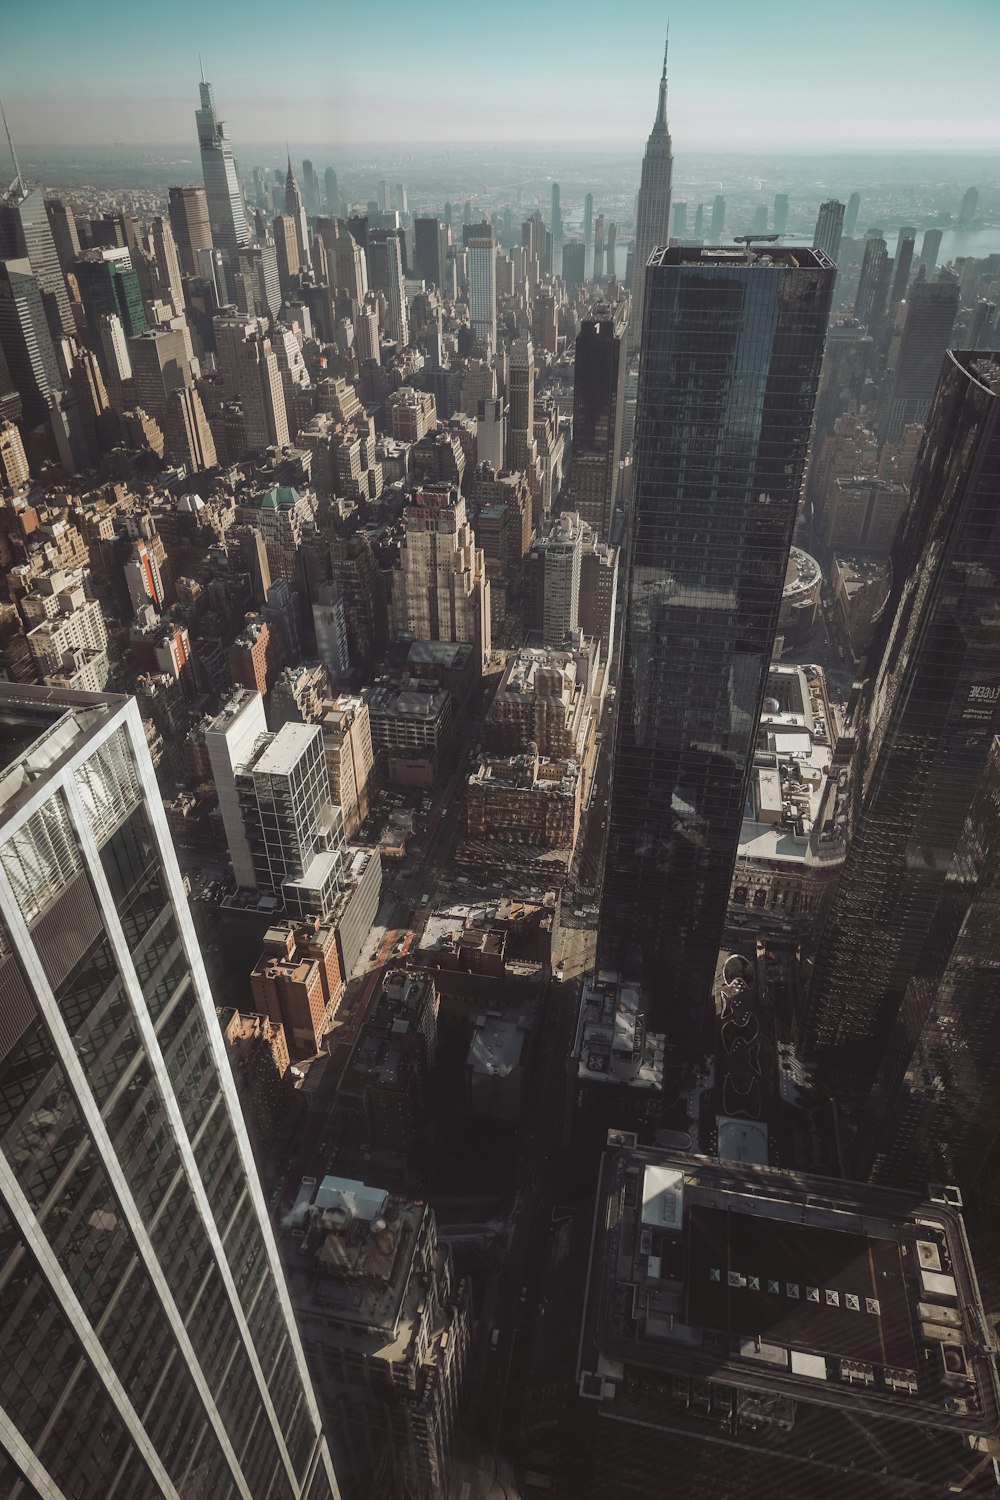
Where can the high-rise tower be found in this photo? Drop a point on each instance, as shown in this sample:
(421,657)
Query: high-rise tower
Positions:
(226,211)
(482,264)
(829,228)
(731,351)
(190,223)
(933,715)
(149,1345)
(295,209)
(652,219)
(26,234)
(598,406)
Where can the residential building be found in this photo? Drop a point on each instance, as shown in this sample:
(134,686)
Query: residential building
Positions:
(615,1067)
(552,579)
(547,698)
(347,740)
(524,799)
(230,741)
(440,590)
(298,983)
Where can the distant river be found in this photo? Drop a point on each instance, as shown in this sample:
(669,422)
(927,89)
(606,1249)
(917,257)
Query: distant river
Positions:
(958,242)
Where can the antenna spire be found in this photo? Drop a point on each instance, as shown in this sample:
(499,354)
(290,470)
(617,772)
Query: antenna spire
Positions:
(202,67)
(666,46)
(661,109)
(18,179)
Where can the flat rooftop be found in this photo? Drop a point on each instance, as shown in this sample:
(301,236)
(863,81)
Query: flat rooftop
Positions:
(790,780)
(286,749)
(760,253)
(773,1284)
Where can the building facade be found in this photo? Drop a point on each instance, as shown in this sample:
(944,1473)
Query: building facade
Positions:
(149,1343)
(734,343)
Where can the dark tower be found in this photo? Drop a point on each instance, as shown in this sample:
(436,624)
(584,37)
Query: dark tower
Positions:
(731,353)
(933,714)
(598,401)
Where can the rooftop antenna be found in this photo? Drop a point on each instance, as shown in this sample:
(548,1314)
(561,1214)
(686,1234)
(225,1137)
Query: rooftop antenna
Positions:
(202,67)
(18,179)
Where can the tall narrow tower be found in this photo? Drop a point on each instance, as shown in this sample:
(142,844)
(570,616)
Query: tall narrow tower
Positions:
(652,220)
(226,211)
(295,209)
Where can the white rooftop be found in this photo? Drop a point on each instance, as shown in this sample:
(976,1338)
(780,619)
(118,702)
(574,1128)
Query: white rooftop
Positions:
(286,749)
(663,1197)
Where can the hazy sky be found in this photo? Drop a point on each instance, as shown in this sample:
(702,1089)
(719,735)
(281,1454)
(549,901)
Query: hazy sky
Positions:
(909,73)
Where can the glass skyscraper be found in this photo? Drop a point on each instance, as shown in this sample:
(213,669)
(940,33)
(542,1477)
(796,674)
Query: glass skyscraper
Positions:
(732,343)
(149,1347)
(926,743)
(226,211)
(598,409)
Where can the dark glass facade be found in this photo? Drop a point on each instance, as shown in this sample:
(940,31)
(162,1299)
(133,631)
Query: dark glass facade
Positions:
(108,286)
(731,351)
(598,406)
(927,738)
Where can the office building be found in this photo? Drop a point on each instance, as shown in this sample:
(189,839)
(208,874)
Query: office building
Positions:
(14,471)
(901,266)
(62,221)
(295,210)
(718,224)
(574,264)
(441,591)
(929,731)
(781,213)
(28,350)
(26,234)
(829,228)
(293,828)
(598,406)
(159,362)
(250,367)
(588,219)
(851,216)
(931,308)
(547,698)
(332,191)
(753,1331)
(109,287)
(930,248)
(712,531)
(967,212)
(557,223)
(386,1329)
(552,579)
(188,209)
(599,249)
(874,274)
(411,729)
(150,1347)
(652,220)
(521,448)
(431,239)
(482,270)
(525,799)
(385,267)
(223,194)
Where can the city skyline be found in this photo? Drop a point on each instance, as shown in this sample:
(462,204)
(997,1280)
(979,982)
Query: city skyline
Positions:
(55,85)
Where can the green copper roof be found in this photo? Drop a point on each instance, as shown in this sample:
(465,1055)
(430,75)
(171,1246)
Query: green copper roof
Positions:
(274,499)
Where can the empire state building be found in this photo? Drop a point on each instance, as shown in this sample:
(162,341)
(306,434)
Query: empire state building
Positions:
(653,207)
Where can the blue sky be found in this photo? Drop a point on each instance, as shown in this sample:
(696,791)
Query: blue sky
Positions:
(912,73)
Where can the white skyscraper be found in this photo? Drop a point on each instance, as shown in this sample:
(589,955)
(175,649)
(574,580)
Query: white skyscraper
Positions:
(482,264)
